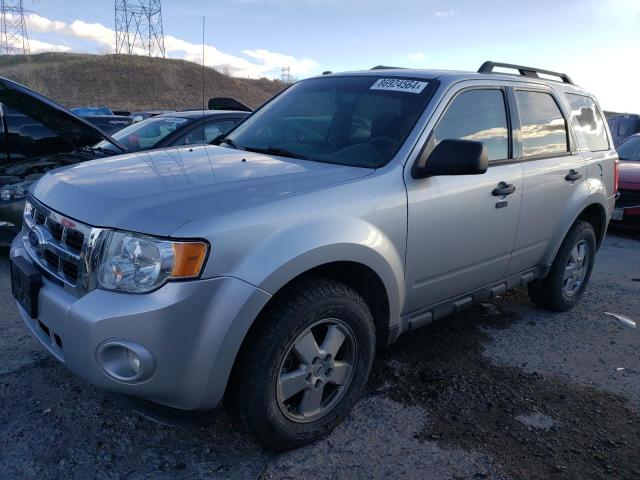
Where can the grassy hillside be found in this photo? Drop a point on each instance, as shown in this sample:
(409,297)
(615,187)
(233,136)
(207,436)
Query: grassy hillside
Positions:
(129,82)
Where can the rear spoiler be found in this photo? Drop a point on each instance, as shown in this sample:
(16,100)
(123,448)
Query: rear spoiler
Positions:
(227,103)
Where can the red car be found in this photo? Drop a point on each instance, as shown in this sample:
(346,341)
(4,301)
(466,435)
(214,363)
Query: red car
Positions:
(627,209)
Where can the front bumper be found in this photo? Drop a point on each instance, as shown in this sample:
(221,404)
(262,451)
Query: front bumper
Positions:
(192,329)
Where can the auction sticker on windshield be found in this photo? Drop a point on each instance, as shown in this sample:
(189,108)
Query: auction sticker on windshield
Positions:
(399,85)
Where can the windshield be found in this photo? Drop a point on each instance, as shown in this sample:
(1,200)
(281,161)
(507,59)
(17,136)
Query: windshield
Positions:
(630,149)
(358,121)
(146,134)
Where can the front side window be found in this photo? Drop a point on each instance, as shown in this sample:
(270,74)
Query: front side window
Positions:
(478,115)
(543,128)
(208,134)
(588,123)
(630,149)
(358,121)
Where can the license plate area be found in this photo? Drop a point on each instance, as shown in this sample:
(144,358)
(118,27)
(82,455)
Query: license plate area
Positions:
(26,282)
(617,214)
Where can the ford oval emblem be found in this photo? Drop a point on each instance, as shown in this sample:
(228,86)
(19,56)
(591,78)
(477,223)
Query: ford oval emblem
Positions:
(37,237)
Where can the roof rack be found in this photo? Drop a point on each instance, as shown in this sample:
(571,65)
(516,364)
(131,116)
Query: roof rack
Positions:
(487,67)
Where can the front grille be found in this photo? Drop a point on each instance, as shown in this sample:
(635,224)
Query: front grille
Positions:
(66,250)
(628,199)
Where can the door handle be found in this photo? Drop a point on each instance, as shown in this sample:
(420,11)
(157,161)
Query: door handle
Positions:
(572,176)
(503,189)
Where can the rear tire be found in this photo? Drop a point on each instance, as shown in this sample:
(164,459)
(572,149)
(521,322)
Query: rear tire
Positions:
(288,390)
(563,288)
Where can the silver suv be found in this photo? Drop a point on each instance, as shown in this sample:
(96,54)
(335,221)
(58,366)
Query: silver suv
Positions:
(350,209)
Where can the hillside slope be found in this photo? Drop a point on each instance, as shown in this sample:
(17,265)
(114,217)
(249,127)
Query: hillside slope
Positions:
(129,82)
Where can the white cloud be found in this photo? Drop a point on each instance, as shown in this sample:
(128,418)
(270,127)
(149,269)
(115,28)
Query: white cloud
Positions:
(36,46)
(417,56)
(259,62)
(444,13)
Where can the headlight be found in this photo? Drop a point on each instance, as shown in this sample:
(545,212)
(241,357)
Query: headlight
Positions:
(12,192)
(138,263)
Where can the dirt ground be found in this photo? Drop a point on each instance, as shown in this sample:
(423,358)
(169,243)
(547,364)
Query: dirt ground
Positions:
(503,391)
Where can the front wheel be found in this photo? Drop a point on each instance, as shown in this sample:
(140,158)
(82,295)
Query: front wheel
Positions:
(304,365)
(570,271)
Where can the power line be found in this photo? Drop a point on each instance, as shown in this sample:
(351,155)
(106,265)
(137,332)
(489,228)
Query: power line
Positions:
(13,28)
(138,26)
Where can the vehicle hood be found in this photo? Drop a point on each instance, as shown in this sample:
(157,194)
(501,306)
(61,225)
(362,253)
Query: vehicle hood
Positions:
(158,191)
(75,130)
(630,172)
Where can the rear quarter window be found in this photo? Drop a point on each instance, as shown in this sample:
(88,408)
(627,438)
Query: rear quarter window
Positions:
(588,123)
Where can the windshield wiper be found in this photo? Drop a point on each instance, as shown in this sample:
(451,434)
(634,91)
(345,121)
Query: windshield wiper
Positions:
(102,150)
(228,141)
(281,152)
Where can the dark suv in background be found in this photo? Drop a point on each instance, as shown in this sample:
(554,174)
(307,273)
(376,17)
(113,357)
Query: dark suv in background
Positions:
(623,126)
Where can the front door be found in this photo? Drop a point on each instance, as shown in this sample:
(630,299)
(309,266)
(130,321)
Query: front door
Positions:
(462,228)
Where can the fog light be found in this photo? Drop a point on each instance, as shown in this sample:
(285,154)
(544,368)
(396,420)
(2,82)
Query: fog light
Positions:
(125,361)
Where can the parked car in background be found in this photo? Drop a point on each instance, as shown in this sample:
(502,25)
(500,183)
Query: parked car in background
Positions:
(177,129)
(143,115)
(627,211)
(105,119)
(92,111)
(623,126)
(37,135)
(110,124)
(350,209)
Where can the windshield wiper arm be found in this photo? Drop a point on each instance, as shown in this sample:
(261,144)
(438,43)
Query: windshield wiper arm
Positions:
(228,141)
(281,152)
(104,151)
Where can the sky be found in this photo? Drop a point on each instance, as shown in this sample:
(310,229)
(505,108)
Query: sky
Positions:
(596,42)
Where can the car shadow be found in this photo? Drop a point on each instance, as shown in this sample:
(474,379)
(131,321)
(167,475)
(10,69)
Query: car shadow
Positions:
(537,426)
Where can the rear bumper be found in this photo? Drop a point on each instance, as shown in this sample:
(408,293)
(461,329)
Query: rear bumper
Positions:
(629,201)
(192,330)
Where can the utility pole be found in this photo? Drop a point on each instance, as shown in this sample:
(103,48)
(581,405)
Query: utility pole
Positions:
(286,74)
(138,26)
(13,29)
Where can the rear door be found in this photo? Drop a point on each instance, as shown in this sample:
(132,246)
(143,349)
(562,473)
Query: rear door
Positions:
(555,176)
(460,234)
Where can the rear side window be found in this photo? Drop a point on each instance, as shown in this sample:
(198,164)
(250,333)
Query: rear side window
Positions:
(543,128)
(588,123)
(478,115)
(627,127)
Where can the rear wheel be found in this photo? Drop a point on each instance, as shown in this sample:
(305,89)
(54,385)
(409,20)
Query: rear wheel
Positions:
(304,365)
(570,271)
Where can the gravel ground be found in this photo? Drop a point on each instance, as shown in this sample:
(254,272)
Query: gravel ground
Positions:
(504,391)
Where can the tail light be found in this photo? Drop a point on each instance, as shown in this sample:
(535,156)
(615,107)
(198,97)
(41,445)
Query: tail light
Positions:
(616,175)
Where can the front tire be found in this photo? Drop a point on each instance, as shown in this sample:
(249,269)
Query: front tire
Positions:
(563,288)
(304,365)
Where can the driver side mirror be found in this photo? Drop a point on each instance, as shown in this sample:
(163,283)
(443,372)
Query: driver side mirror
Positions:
(454,157)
